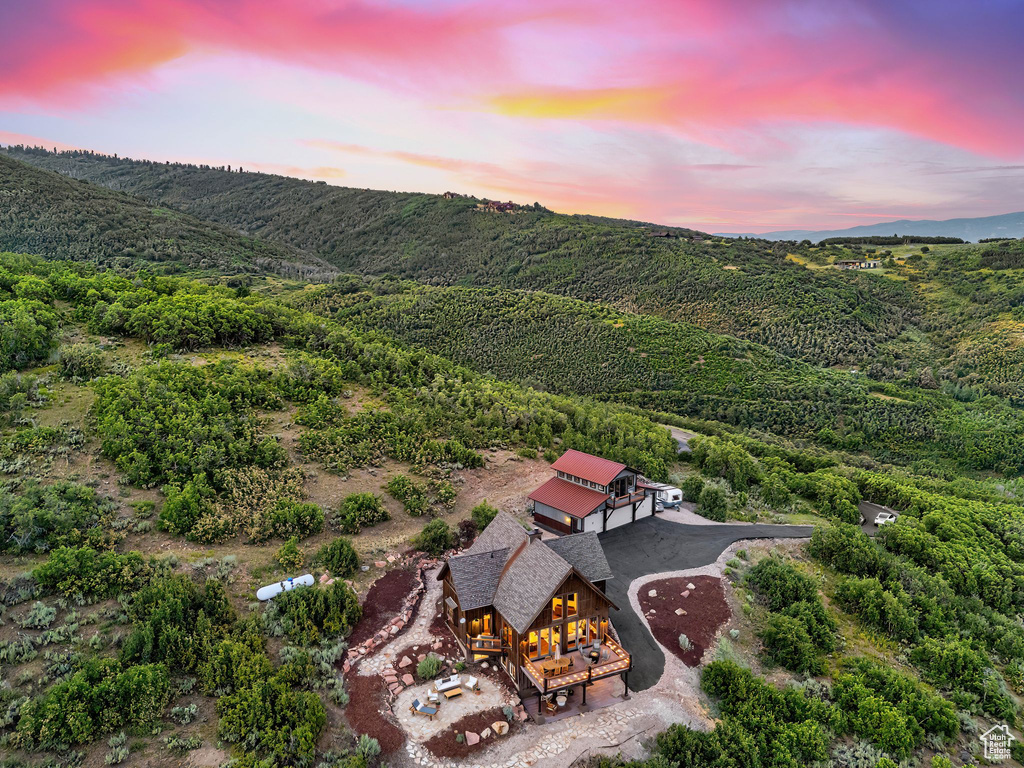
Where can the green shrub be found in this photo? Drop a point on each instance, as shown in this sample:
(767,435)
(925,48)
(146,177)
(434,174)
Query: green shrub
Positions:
(289,555)
(713,503)
(691,488)
(296,519)
(41,517)
(410,493)
(100,698)
(361,510)
(786,642)
(482,514)
(175,621)
(435,538)
(81,572)
(339,557)
(80,362)
(778,584)
(308,614)
(429,668)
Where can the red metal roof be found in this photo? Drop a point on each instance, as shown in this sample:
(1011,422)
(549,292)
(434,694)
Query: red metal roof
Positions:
(568,497)
(592,468)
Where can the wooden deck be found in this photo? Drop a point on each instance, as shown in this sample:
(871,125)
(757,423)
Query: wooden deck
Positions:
(602,693)
(614,661)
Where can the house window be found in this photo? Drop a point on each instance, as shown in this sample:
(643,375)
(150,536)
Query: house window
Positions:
(571,605)
(531,648)
(506,635)
(557,608)
(573,635)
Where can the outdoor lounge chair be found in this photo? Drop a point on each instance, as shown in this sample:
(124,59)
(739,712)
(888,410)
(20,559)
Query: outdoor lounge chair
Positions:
(473,684)
(418,708)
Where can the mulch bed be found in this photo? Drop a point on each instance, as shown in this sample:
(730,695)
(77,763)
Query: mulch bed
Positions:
(444,745)
(706,611)
(382,602)
(366,699)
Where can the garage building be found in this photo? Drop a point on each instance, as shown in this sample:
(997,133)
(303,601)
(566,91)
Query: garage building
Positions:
(589,493)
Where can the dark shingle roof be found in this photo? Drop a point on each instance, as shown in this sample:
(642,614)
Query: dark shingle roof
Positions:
(476,576)
(516,577)
(503,532)
(531,578)
(583,552)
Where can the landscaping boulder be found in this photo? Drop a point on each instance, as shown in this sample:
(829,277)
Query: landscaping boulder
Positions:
(472,738)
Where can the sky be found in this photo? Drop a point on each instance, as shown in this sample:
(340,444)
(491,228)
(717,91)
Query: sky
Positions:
(727,116)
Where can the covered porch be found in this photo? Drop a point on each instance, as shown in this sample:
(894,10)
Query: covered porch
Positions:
(600,693)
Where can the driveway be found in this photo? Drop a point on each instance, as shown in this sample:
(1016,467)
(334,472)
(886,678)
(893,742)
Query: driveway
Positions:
(869,510)
(654,545)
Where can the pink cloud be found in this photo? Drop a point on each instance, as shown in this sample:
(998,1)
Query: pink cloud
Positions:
(945,73)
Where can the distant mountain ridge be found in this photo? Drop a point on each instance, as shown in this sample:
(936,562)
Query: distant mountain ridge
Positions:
(1003,225)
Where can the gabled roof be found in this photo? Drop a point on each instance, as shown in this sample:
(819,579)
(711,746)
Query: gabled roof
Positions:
(476,577)
(503,532)
(531,578)
(569,497)
(583,552)
(592,468)
(517,576)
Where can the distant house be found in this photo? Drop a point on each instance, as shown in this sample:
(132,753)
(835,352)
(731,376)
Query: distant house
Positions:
(494,206)
(535,608)
(451,195)
(591,494)
(858,263)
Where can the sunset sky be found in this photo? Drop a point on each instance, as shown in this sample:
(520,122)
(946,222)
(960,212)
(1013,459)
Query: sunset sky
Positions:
(732,115)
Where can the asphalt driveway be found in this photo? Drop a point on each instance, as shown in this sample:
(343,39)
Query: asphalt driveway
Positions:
(654,545)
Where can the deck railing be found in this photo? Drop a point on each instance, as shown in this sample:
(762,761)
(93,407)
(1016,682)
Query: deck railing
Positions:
(620,663)
(485,644)
(621,501)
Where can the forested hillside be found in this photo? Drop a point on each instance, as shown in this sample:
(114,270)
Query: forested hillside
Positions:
(747,289)
(240,408)
(48,214)
(570,346)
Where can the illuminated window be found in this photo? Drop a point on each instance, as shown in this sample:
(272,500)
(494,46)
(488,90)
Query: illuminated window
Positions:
(570,635)
(557,608)
(545,642)
(531,649)
(570,605)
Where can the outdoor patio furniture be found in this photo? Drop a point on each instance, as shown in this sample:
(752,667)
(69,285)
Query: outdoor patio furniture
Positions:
(419,708)
(549,705)
(433,697)
(552,667)
(447,683)
(451,693)
(473,684)
(560,700)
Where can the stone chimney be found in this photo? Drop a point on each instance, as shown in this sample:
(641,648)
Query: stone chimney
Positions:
(533,535)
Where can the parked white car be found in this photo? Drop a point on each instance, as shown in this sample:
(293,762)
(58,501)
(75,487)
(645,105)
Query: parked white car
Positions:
(884,518)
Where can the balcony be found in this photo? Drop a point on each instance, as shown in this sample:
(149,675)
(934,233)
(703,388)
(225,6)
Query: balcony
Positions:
(614,660)
(621,501)
(488,644)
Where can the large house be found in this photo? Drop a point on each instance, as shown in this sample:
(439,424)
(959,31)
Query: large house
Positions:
(590,494)
(535,608)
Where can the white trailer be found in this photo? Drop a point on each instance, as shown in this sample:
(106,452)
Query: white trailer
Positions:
(667,495)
